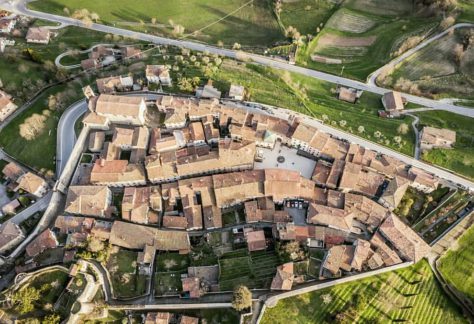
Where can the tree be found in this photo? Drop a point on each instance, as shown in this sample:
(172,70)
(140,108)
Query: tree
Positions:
(447,22)
(377,134)
(458,53)
(342,123)
(290,251)
(327,299)
(242,298)
(24,299)
(51,319)
(361,129)
(402,129)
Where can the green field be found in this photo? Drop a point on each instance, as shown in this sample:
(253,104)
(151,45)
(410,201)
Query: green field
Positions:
(460,159)
(435,71)
(253,25)
(361,36)
(456,266)
(306,15)
(409,295)
(38,153)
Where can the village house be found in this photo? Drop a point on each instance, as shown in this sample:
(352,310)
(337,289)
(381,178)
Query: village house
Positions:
(188,320)
(422,180)
(120,109)
(114,84)
(32,184)
(96,141)
(46,240)
(117,173)
(4,42)
(158,74)
(141,205)
(136,237)
(90,63)
(208,91)
(10,208)
(7,107)
(192,287)
(157,318)
(236,92)
(89,201)
(145,260)
(10,236)
(12,171)
(38,35)
(7,25)
(255,239)
(129,52)
(431,137)
(284,277)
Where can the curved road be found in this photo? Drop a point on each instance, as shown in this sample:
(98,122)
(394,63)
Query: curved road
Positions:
(57,60)
(19,6)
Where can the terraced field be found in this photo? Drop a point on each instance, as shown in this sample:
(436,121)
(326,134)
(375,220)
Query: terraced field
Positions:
(382,7)
(407,295)
(456,266)
(435,70)
(350,21)
(362,35)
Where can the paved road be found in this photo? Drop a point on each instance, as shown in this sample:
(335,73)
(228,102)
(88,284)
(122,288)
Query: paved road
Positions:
(414,125)
(66,135)
(58,59)
(19,6)
(373,77)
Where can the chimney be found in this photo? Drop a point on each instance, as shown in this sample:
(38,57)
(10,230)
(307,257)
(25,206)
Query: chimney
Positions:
(102,162)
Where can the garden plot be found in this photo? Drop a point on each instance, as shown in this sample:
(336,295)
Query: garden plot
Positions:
(343,41)
(382,7)
(334,46)
(349,21)
(122,266)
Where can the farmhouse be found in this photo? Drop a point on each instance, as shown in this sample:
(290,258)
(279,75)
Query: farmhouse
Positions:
(350,95)
(39,35)
(431,137)
(393,103)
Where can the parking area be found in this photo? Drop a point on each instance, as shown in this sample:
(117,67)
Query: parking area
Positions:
(298,215)
(284,157)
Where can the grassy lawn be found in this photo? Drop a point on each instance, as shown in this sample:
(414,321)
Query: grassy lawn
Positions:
(407,295)
(168,283)
(39,152)
(435,70)
(125,279)
(456,265)
(253,25)
(460,159)
(172,261)
(377,28)
(51,294)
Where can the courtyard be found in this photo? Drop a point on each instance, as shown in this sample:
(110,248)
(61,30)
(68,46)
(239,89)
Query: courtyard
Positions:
(283,157)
